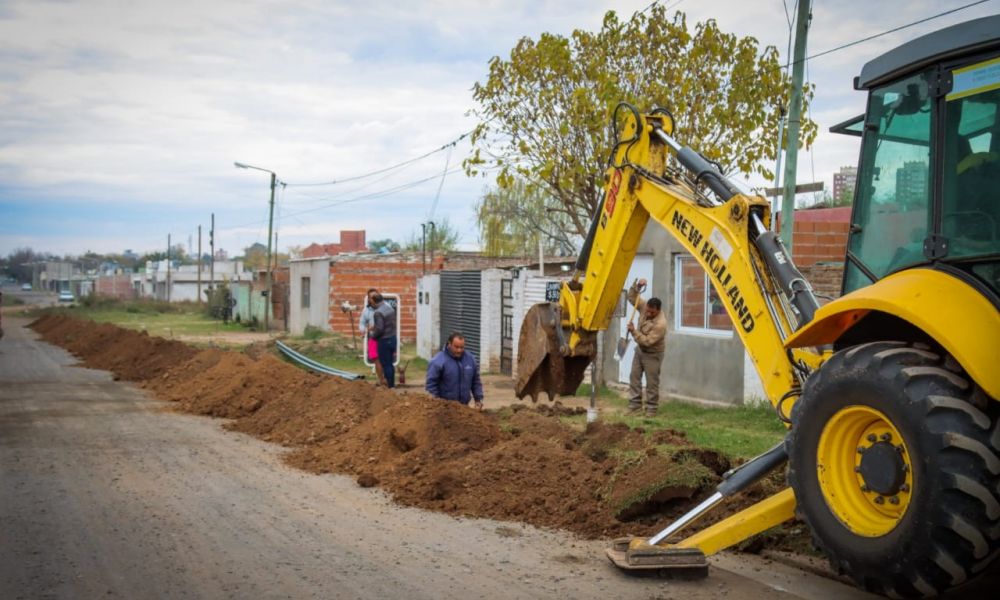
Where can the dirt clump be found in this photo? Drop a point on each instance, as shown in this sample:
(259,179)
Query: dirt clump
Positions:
(531,464)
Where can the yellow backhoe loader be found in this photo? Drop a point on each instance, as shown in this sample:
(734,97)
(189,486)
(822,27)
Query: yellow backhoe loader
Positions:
(890,392)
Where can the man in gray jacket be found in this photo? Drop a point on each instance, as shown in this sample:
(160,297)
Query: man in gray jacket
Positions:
(650,337)
(384,333)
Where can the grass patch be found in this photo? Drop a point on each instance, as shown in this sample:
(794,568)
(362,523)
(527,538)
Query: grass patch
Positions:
(313,333)
(602,392)
(739,432)
(685,473)
(337,351)
(9,300)
(155,317)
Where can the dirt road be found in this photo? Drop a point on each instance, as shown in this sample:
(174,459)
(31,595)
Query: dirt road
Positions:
(104,493)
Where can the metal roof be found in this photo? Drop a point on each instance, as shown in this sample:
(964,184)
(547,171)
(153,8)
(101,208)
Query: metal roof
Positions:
(964,38)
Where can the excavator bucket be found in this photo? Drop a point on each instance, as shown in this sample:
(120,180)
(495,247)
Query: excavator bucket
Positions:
(541,365)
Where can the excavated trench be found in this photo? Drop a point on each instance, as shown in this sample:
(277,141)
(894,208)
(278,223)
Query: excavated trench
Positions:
(521,463)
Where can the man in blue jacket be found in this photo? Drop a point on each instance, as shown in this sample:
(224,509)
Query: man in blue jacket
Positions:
(453,374)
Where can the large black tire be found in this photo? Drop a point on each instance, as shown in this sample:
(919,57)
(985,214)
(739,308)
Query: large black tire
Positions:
(950,530)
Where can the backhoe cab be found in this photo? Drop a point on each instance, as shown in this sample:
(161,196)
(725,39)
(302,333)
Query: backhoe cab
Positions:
(891,391)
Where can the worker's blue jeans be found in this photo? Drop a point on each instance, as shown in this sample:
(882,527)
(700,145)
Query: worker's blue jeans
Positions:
(386,356)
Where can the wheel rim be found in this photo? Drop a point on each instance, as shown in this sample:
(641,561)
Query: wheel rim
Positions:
(869,494)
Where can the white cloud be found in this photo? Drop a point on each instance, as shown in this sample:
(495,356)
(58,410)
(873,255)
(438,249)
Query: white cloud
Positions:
(127,117)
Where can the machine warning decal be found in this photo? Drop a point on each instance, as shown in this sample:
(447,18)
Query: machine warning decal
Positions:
(712,258)
(723,247)
(612,197)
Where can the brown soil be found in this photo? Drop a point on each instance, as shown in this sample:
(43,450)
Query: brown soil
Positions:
(521,463)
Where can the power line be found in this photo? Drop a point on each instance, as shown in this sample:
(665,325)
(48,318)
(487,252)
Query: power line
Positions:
(791,63)
(450,144)
(379,194)
(894,30)
(369,184)
(437,196)
(368,196)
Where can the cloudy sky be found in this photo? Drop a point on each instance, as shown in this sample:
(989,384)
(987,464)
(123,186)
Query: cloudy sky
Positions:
(120,121)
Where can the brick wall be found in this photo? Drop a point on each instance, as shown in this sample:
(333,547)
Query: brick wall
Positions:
(820,235)
(114,286)
(350,241)
(819,241)
(351,277)
(314,250)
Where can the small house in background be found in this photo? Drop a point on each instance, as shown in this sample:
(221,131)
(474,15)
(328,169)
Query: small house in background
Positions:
(705,360)
(181,283)
(485,299)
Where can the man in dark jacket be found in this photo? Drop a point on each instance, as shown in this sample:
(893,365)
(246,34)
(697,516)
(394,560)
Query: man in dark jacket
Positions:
(453,374)
(384,333)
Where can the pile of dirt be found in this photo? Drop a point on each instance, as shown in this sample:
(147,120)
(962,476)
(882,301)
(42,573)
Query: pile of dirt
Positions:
(130,355)
(520,463)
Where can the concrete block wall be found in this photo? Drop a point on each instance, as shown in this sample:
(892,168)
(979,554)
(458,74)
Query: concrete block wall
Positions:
(825,279)
(318,312)
(429,315)
(489,323)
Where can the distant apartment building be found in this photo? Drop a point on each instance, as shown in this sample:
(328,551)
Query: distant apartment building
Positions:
(844,183)
(911,184)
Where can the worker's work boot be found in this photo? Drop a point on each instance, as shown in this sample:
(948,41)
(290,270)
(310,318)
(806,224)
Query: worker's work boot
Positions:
(650,411)
(633,409)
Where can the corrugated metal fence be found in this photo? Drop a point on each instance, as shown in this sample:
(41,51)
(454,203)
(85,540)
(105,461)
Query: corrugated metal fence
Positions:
(461,307)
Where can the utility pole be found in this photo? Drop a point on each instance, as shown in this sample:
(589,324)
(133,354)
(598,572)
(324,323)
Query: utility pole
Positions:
(199,264)
(794,121)
(211,262)
(168,268)
(433,229)
(775,203)
(270,228)
(270,232)
(423,246)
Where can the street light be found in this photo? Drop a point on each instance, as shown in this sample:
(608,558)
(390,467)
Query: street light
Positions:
(270,223)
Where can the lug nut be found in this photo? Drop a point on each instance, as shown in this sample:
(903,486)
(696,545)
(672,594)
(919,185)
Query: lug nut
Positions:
(865,488)
(879,500)
(861,449)
(871,438)
(894,500)
(857,469)
(905,487)
(900,449)
(906,468)
(885,437)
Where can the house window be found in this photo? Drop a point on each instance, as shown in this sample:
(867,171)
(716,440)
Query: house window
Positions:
(305,292)
(697,306)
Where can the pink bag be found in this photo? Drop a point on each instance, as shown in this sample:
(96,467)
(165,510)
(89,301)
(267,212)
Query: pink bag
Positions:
(372,349)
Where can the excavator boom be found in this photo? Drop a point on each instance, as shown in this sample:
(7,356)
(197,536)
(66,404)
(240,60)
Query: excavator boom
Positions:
(756,280)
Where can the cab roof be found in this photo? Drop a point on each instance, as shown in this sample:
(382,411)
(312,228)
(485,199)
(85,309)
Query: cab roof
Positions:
(970,37)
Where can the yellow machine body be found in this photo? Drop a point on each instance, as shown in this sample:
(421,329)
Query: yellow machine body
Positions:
(951,312)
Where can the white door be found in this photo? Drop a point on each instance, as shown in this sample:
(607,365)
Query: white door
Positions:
(642,268)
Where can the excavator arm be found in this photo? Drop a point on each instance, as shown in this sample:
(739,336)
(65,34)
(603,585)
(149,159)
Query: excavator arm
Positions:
(764,294)
(727,235)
